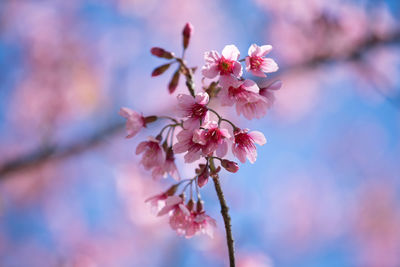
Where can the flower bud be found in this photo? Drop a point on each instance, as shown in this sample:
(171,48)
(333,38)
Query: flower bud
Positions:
(174,82)
(230,166)
(190,205)
(202,179)
(160,70)
(200,206)
(160,52)
(187,33)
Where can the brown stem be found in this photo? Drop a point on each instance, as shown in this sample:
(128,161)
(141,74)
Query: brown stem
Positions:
(225,215)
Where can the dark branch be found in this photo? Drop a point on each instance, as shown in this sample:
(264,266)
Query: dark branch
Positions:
(43,154)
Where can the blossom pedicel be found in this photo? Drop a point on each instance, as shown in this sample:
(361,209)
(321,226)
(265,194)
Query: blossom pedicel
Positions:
(202,134)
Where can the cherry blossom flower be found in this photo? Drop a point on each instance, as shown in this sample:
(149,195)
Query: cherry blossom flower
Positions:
(257,64)
(134,121)
(213,138)
(169,167)
(194,109)
(199,222)
(243,145)
(153,153)
(172,203)
(245,94)
(186,143)
(226,64)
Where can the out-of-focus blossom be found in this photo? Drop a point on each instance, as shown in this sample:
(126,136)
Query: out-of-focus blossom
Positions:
(169,167)
(244,144)
(268,91)
(227,64)
(134,121)
(153,153)
(257,64)
(200,222)
(194,109)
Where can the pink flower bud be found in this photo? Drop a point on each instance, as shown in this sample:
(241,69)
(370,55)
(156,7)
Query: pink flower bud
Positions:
(230,166)
(203,177)
(187,33)
(160,70)
(160,52)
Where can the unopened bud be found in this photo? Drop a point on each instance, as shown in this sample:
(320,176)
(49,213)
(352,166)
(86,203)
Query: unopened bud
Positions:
(200,205)
(160,70)
(160,52)
(174,82)
(202,179)
(190,205)
(187,33)
(230,166)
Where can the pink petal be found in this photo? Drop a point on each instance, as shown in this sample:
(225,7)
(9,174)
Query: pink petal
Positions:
(210,71)
(251,86)
(237,69)
(141,147)
(202,98)
(264,49)
(258,73)
(125,112)
(231,52)
(222,149)
(252,155)
(240,154)
(258,137)
(269,65)
(275,85)
(253,50)
(211,57)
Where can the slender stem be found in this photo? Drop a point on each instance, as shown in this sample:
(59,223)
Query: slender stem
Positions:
(225,215)
(222,119)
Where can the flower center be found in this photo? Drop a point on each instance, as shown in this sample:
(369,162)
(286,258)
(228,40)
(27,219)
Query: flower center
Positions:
(225,66)
(198,111)
(255,62)
(244,140)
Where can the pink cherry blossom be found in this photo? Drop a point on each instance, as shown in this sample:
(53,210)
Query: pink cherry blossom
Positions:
(134,121)
(227,64)
(194,109)
(186,143)
(213,138)
(169,167)
(153,153)
(257,64)
(200,222)
(204,174)
(245,94)
(243,145)
(172,203)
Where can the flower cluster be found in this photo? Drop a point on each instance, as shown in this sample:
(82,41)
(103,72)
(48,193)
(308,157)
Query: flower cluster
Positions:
(200,132)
